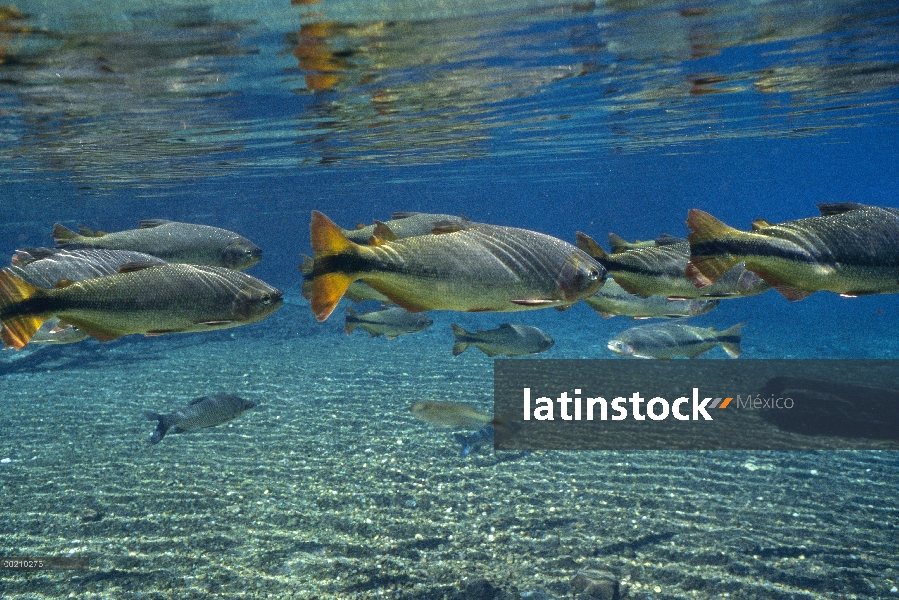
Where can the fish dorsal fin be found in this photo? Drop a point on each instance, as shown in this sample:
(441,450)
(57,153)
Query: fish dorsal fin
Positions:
(381,234)
(759,224)
(28,255)
(131,267)
(62,283)
(63,234)
(668,240)
(151,223)
(618,243)
(360,226)
(307,265)
(837,208)
(196,400)
(441,227)
(590,246)
(402,215)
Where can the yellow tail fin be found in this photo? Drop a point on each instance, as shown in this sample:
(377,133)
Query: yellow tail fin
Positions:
(18,326)
(327,238)
(328,282)
(708,258)
(325,291)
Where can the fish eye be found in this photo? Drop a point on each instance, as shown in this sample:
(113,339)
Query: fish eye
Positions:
(266,299)
(593,275)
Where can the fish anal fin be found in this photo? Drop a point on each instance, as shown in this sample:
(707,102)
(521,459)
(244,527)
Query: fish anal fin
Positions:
(212,322)
(94,330)
(696,276)
(787,290)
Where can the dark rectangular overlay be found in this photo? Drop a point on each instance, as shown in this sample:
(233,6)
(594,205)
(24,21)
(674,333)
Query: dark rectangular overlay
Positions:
(697,404)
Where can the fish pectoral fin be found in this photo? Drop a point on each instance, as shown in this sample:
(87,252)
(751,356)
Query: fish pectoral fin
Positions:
(131,267)
(158,332)
(631,289)
(219,322)
(151,223)
(534,301)
(856,294)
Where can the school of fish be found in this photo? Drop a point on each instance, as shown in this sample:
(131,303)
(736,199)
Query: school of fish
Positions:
(169,277)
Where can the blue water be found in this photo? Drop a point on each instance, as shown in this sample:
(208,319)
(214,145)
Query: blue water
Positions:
(552,116)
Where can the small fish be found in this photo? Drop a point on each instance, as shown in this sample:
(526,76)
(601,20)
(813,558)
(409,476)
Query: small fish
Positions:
(613,300)
(392,322)
(207,411)
(659,269)
(46,267)
(171,241)
(507,339)
(451,414)
(403,225)
(851,249)
(473,442)
(152,300)
(668,340)
(461,267)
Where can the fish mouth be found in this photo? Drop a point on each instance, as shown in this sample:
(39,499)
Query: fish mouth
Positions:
(619,347)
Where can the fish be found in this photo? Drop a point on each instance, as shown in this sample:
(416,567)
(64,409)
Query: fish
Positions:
(613,300)
(473,441)
(171,241)
(461,267)
(850,249)
(392,322)
(45,267)
(152,300)
(660,270)
(403,225)
(207,411)
(458,415)
(668,340)
(507,339)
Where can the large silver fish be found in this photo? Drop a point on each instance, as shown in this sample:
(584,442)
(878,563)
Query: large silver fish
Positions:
(47,267)
(851,249)
(461,267)
(171,241)
(152,300)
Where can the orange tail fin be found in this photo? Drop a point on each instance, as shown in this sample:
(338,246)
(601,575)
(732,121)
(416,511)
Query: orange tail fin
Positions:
(328,283)
(18,326)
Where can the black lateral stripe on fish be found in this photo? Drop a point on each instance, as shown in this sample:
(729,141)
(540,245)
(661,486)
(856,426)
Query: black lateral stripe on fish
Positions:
(850,249)
(477,268)
(163,298)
